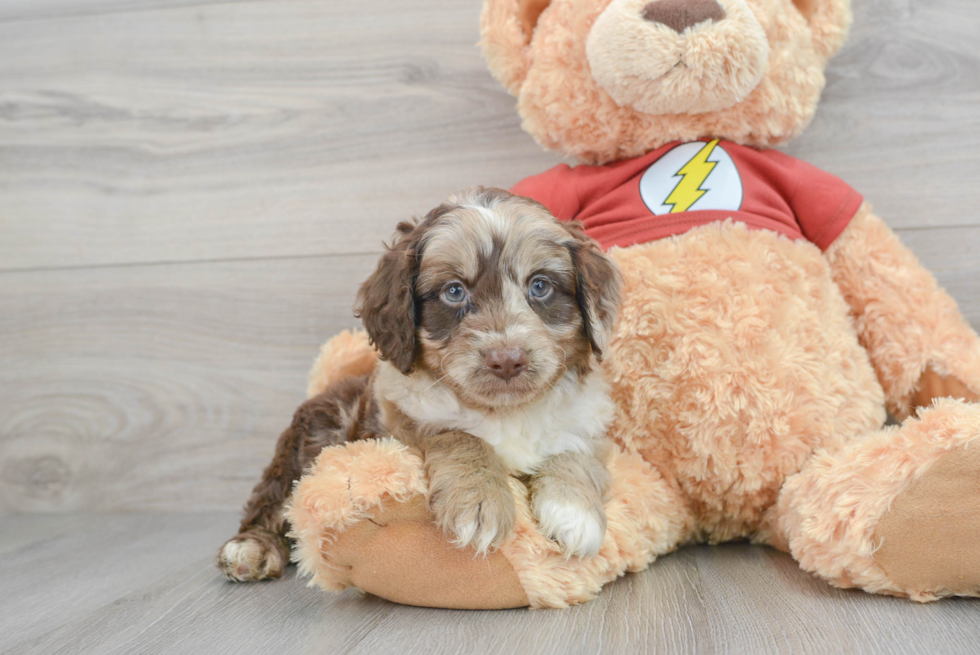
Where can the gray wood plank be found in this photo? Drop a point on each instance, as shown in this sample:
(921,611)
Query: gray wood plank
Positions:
(145,584)
(256,129)
(899,119)
(302,127)
(68,566)
(157,386)
(31,10)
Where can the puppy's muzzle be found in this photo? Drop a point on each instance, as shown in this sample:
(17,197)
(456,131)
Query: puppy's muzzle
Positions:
(506,363)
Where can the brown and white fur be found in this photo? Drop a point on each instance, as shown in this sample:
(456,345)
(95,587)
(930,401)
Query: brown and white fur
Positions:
(489,317)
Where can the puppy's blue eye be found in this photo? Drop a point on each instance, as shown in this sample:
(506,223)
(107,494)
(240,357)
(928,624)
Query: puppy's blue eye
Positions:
(539,288)
(454,293)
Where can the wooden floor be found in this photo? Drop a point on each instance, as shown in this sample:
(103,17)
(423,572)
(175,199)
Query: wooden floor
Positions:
(144,583)
(190,191)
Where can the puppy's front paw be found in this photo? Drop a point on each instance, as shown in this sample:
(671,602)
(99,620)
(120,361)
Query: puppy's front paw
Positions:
(577,530)
(478,515)
(252,556)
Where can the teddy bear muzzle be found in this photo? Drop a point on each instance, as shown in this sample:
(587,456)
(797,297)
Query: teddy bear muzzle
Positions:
(677,56)
(679,15)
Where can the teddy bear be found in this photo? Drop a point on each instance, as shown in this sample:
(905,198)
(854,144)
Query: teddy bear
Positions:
(769,322)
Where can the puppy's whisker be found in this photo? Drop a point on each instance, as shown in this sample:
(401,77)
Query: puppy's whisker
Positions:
(562,370)
(442,369)
(484,418)
(527,418)
(433,384)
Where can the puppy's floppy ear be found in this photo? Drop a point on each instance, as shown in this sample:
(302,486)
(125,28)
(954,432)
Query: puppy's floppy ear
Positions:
(597,283)
(386,300)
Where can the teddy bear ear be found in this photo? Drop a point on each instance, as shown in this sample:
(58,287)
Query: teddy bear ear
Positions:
(829,22)
(506,27)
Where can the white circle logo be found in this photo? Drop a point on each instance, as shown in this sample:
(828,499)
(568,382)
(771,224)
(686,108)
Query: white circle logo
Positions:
(692,177)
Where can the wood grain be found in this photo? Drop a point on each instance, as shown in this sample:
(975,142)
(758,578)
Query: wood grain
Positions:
(899,119)
(157,387)
(32,10)
(243,130)
(226,130)
(145,584)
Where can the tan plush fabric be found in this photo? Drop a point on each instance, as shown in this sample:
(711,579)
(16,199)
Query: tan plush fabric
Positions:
(750,373)
(347,354)
(346,486)
(636,62)
(360,519)
(565,107)
(734,359)
(645,517)
(933,385)
(930,538)
(828,514)
(375,551)
(747,407)
(907,323)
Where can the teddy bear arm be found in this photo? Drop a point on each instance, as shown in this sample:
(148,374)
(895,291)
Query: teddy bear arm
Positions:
(919,343)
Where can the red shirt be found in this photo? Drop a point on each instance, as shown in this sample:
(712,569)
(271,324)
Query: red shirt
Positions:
(683,185)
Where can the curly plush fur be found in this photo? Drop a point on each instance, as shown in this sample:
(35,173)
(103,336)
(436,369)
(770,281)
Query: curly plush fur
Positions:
(565,108)
(751,373)
(826,515)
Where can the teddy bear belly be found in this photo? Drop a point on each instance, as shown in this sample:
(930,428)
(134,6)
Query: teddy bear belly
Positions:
(733,360)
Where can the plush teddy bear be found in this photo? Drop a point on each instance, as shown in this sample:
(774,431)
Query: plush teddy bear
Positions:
(769,318)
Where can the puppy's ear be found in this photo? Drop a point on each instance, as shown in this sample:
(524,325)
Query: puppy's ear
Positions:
(386,300)
(597,283)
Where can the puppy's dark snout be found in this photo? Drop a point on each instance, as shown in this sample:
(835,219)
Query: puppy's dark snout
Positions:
(678,15)
(506,363)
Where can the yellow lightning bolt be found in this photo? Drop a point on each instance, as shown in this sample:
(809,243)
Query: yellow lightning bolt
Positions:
(693,175)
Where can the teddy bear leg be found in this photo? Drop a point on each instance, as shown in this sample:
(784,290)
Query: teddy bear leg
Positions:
(399,554)
(360,519)
(895,512)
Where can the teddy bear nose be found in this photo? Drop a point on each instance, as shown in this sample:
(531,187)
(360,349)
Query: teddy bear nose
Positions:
(679,15)
(506,363)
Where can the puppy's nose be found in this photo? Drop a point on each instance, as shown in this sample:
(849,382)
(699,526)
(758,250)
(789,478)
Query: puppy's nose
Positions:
(679,15)
(506,363)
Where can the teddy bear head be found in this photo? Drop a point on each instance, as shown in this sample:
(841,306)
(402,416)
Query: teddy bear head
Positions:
(601,80)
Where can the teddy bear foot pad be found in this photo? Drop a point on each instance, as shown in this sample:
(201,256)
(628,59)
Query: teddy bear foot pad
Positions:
(930,538)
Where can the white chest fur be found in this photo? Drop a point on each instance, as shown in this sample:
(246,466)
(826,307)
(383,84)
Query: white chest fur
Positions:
(571,417)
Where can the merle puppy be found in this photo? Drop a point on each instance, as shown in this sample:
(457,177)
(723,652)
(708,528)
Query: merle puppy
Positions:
(489,317)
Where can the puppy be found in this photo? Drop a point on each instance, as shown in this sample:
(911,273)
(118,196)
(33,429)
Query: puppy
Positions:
(489,317)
